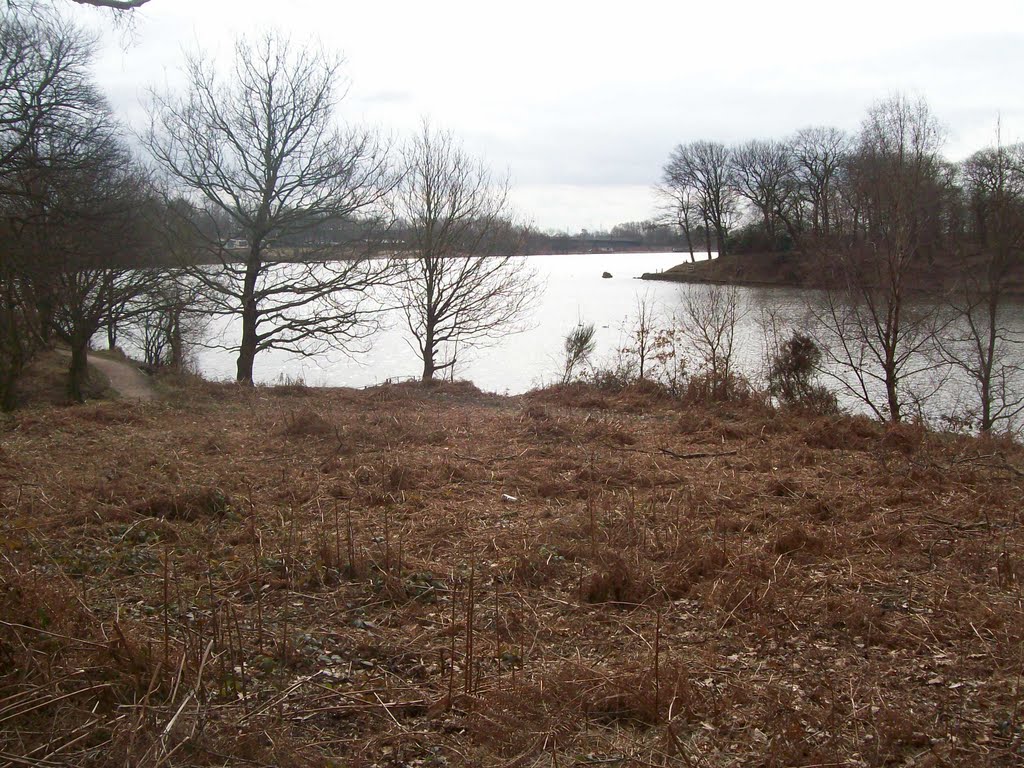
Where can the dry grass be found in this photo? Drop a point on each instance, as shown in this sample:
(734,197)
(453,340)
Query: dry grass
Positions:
(403,576)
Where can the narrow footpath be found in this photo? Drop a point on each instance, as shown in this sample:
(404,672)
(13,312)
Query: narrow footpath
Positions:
(125,379)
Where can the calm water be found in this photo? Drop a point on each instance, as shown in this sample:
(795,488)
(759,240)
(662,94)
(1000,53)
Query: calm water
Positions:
(573,291)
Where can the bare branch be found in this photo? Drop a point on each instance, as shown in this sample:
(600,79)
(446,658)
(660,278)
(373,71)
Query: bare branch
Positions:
(464,285)
(260,154)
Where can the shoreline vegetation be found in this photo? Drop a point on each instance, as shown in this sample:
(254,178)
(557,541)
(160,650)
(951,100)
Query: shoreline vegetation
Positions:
(431,575)
(793,269)
(747,270)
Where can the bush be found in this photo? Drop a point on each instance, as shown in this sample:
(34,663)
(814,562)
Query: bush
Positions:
(754,239)
(613,378)
(792,372)
(706,388)
(579,346)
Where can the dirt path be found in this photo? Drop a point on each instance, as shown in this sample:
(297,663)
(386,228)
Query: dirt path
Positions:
(127,380)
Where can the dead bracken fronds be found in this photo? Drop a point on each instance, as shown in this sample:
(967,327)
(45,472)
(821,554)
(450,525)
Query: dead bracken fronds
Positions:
(435,576)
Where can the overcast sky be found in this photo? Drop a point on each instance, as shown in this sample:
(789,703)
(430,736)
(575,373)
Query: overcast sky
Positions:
(583,101)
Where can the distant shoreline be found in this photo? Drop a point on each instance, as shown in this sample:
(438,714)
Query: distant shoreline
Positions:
(791,269)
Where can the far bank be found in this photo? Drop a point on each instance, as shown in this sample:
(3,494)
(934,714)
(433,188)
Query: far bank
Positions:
(782,268)
(795,269)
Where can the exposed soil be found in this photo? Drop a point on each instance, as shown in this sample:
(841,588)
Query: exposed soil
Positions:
(284,576)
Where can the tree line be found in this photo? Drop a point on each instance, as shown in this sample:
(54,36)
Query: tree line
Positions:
(252,200)
(825,183)
(916,255)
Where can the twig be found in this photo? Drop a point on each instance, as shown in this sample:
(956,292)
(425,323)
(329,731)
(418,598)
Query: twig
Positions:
(698,454)
(34,762)
(53,634)
(53,700)
(491,459)
(958,526)
(277,699)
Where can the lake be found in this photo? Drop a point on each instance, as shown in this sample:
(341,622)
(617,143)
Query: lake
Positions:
(573,291)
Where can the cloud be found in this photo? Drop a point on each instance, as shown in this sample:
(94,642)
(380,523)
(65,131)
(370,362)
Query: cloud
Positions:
(387,97)
(580,101)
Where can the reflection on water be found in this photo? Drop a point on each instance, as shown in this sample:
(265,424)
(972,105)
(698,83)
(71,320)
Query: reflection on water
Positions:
(573,292)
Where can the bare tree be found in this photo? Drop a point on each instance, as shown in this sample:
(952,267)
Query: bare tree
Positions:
(73,202)
(86,299)
(259,157)
(763,174)
(44,82)
(876,333)
(37,7)
(878,345)
(704,168)
(707,319)
(91,218)
(819,154)
(168,321)
(117,5)
(679,203)
(464,284)
(642,334)
(979,342)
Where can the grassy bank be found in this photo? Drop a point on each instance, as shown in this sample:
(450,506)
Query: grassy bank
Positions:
(284,576)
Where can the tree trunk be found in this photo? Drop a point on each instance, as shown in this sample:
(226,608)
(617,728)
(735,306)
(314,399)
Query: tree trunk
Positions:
(988,361)
(707,236)
(720,235)
(986,406)
(78,373)
(891,386)
(247,347)
(8,378)
(45,310)
(12,350)
(11,370)
(177,345)
(428,354)
(826,224)
(893,399)
(246,354)
(689,242)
